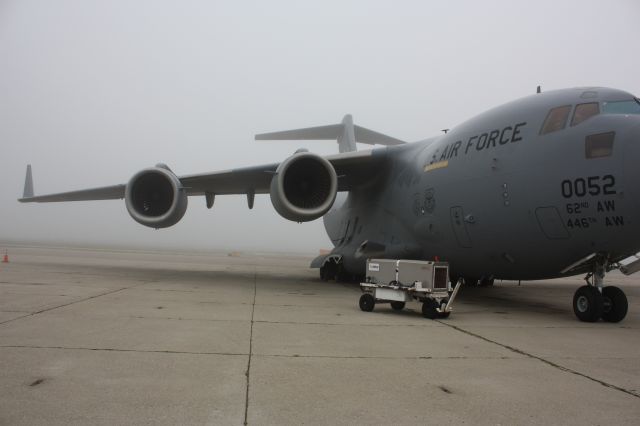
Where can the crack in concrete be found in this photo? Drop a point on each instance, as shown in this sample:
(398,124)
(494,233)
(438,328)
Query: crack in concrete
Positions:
(543,360)
(253,309)
(78,301)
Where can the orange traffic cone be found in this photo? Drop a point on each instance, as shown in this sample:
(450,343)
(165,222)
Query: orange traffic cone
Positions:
(5,259)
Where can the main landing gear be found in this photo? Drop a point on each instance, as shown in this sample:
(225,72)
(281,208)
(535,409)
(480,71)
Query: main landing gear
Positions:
(594,301)
(333,269)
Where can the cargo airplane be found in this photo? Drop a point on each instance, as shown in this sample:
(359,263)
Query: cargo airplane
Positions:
(541,187)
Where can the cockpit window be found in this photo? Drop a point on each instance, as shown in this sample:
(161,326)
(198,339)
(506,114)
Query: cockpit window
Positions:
(621,107)
(556,119)
(584,111)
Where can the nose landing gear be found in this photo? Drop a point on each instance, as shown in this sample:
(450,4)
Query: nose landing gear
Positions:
(593,301)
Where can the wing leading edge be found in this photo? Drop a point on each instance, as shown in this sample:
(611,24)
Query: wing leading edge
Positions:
(351,168)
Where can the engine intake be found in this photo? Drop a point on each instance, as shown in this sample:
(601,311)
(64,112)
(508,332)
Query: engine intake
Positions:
(155,197)
(304,187)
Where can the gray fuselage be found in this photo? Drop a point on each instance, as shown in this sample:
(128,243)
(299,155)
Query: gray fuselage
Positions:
(496,196)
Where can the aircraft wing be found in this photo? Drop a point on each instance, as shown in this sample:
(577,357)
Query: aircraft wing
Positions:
(351,168)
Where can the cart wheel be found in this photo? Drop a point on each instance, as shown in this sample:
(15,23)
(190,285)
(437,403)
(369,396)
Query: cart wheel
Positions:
(397,306)
(367,302)
(429,309)
(443,304)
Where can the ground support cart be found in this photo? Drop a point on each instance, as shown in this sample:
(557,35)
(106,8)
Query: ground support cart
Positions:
(400,281)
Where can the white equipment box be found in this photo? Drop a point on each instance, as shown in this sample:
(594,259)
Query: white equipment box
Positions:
(400,281)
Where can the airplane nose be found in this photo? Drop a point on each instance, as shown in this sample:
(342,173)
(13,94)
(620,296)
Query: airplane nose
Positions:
(630,187)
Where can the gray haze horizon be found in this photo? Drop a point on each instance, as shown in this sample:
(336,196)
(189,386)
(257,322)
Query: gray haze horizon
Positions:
(94,91)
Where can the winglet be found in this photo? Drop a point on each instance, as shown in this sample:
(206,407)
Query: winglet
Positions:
(28,184)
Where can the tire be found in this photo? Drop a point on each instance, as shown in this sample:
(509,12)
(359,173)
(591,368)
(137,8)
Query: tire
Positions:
(486,282)
(328,271)
(429,309)
(397,306)
(443,304)
(615,304)
(588,304)
(341,275)
(367,302)
(470,282)
(323,273)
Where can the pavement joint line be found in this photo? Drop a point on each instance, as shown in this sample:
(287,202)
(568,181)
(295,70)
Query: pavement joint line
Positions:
(186,319)
(543,360)
(167,351)
(143,351)
(77,301)
(406,358)
(253,309)
(346,325)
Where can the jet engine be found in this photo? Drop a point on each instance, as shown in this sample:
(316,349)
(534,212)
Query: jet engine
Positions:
(155,197)
(304,187)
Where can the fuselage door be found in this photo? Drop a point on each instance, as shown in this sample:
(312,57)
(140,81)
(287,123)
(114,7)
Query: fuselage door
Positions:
(459,226)
(551,223)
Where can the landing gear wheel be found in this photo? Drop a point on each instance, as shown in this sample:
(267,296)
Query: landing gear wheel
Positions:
(341,275)
(443,304)
(323,273)
(588,303)
(470,282)
(397,306)
(367,302)
(429,309)
(328,270)
(486,282)
(615,304)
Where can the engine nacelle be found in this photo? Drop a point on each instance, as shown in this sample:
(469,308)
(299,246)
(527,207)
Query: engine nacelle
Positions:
(304,187)
(155,197)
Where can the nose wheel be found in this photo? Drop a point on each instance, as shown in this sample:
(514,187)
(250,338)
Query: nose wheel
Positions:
(594,301)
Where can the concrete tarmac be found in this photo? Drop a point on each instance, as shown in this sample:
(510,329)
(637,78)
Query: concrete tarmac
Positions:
(108,337)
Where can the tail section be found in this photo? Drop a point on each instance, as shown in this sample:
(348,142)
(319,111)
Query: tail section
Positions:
(345,133)
(347,140)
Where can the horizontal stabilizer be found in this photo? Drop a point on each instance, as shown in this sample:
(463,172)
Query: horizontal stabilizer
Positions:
(370,137)
(346,133)
(310,133)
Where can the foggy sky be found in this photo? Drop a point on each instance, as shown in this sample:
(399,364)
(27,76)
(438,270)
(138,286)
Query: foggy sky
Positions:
(93,91)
